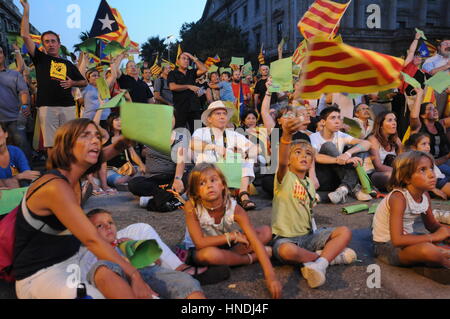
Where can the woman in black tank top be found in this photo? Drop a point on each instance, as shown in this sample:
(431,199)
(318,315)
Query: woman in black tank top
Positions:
(43,253)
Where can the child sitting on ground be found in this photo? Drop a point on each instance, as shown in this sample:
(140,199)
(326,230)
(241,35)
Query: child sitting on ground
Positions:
(421,142)
(166,283)
(211,219)
(296,240)
(394,240)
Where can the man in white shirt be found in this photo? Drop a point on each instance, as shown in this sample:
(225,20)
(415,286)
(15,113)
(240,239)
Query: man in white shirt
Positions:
(333,164)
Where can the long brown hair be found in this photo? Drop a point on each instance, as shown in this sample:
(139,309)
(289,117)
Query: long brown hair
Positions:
(61,156)
(377,132)
(194,183)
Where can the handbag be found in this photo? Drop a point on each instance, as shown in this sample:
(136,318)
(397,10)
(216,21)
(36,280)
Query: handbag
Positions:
(126,169)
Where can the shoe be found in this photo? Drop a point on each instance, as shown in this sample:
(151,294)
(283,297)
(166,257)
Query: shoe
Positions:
(442,216)
(173,204)
(122,187)
(361,196)
(339,195)
(143,201)
(346,257)
(314,274)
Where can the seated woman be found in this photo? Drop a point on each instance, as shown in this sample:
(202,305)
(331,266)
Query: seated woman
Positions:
(14,167)
(385,146)
(216,142)
(118,174)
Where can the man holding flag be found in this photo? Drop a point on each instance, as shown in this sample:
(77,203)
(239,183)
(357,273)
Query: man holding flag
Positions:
(55,76)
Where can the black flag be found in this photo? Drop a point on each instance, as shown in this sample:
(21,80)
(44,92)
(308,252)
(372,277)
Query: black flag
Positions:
(104,21)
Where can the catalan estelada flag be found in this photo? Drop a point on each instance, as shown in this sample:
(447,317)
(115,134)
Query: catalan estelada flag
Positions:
(333,67)
(156,69)
(210,61)
(322,19)
(300,53)
(121,35)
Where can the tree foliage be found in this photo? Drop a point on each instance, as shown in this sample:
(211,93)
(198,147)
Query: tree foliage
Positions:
(152,47)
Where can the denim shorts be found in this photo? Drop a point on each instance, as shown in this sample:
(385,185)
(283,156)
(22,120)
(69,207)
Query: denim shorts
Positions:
(169,284)
(387,253)
(441,182)
(312,242)
(113,176)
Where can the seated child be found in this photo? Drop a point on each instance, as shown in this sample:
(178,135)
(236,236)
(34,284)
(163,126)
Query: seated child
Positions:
(212,217)
(296,239)
(421,142)
(166,283)
(394,240)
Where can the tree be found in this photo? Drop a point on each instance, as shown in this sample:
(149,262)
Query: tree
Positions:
(152,47)
(212,37)
(84,36)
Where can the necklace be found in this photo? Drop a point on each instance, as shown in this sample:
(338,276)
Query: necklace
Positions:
(212,209)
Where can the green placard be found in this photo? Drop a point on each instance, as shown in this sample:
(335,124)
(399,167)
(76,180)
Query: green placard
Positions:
(114,102)
(149,124)
(281,72)
(231,167)
(247,69)
(10,199)
(355,209)
(372,209)
(410,80)
(88,46)
(113,49)
(237,61)
(222,70)
(422,34)
(364,179)
(355,128)
(439,82)
(213,68)
(103,88)
(141,253)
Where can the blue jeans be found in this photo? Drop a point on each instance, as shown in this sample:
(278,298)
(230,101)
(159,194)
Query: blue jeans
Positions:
(169,284)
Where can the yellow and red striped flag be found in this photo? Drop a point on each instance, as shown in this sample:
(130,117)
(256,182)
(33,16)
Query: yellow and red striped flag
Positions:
(210,61)
(261,57)
(156,69)
(333,67)
(172,66)
(300,53)
(121,35)
(322,19)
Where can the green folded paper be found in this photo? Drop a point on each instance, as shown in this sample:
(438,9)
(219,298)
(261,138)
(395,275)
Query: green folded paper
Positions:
(237,61)
(113,49)
(355,128)
(103,89)
(15,38)
(422,34)
(10,199)
(364,179)
(149,124)
(373,209)
(222,70)
(114,102)
(439,82)
(247,69)
(353,95)
(411,81)
(281,72)
(88,46)
(141,253)
(231,167)
(213,68)
(355,209)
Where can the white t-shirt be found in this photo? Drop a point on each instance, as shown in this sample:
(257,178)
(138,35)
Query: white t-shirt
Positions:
(434,62)
(339,139)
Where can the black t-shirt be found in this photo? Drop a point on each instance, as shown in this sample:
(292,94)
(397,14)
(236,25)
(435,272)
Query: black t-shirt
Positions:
(49,72)
(139,90)
(261,89)
(186,100)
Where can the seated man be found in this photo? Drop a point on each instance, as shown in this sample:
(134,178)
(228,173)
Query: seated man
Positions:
(14,167)
(334,166)
(165,282)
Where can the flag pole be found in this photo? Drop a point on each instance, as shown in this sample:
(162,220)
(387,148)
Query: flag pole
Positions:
(339,21)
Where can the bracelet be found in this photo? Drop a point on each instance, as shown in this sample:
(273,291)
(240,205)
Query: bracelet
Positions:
(282,141)
(16,51)
(227,236)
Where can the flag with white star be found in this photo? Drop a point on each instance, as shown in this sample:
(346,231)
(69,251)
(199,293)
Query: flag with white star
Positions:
(104,21)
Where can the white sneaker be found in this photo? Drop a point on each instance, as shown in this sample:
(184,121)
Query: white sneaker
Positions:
(143,201)
(361,196)
(346,257)
(339,195)
(314,274)
(442,216)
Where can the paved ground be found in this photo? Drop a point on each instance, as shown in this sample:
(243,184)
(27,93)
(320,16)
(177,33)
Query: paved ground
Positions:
(247,281)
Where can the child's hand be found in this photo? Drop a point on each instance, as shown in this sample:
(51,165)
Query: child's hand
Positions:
(241,239)
(275,288)
(441,234)
(355,161)
(140,289)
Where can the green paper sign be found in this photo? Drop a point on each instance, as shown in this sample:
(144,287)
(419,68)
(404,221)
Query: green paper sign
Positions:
(281,72)
(113,49)
(422,35)
(354,209)
(15,38)
(364,179)
(222,70)
(247,69)
(355,129)
(237,61)
(231,167)
(114,102)
(410,80)
(141,253)
(439,82)
(88,46)
(103,89)
(353,95)
(10,199)
(149,124)
(213,68)
(372,209)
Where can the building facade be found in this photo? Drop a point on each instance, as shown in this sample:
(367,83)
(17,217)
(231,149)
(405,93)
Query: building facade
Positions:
(10,18)
(385,26)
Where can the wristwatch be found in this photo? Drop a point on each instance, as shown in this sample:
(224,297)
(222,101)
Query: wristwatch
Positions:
(178,178)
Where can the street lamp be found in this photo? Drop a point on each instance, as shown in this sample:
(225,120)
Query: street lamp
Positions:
(168,46)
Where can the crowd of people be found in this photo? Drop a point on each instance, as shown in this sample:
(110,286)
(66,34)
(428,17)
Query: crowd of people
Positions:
(299,151)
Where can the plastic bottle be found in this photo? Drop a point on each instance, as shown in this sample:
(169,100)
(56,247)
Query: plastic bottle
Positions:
(22,119)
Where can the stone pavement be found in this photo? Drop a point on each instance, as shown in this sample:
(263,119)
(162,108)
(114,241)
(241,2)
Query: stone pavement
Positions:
(247,282)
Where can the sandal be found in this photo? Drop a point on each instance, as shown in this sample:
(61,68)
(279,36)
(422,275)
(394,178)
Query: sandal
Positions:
(110,191)
(98,192)
(246,204)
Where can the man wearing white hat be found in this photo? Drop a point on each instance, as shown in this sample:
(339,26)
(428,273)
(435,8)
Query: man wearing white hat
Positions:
(214,142)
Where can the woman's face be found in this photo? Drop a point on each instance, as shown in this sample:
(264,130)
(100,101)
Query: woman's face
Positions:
(117,124)
(424,145)
(431,112)
(389,126)
(286,116)
(87,146)
(210,187)
(250,121)
(214,78)
(93,78)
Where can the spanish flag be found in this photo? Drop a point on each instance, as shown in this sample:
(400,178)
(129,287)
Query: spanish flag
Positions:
(322,19)
(333,67)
